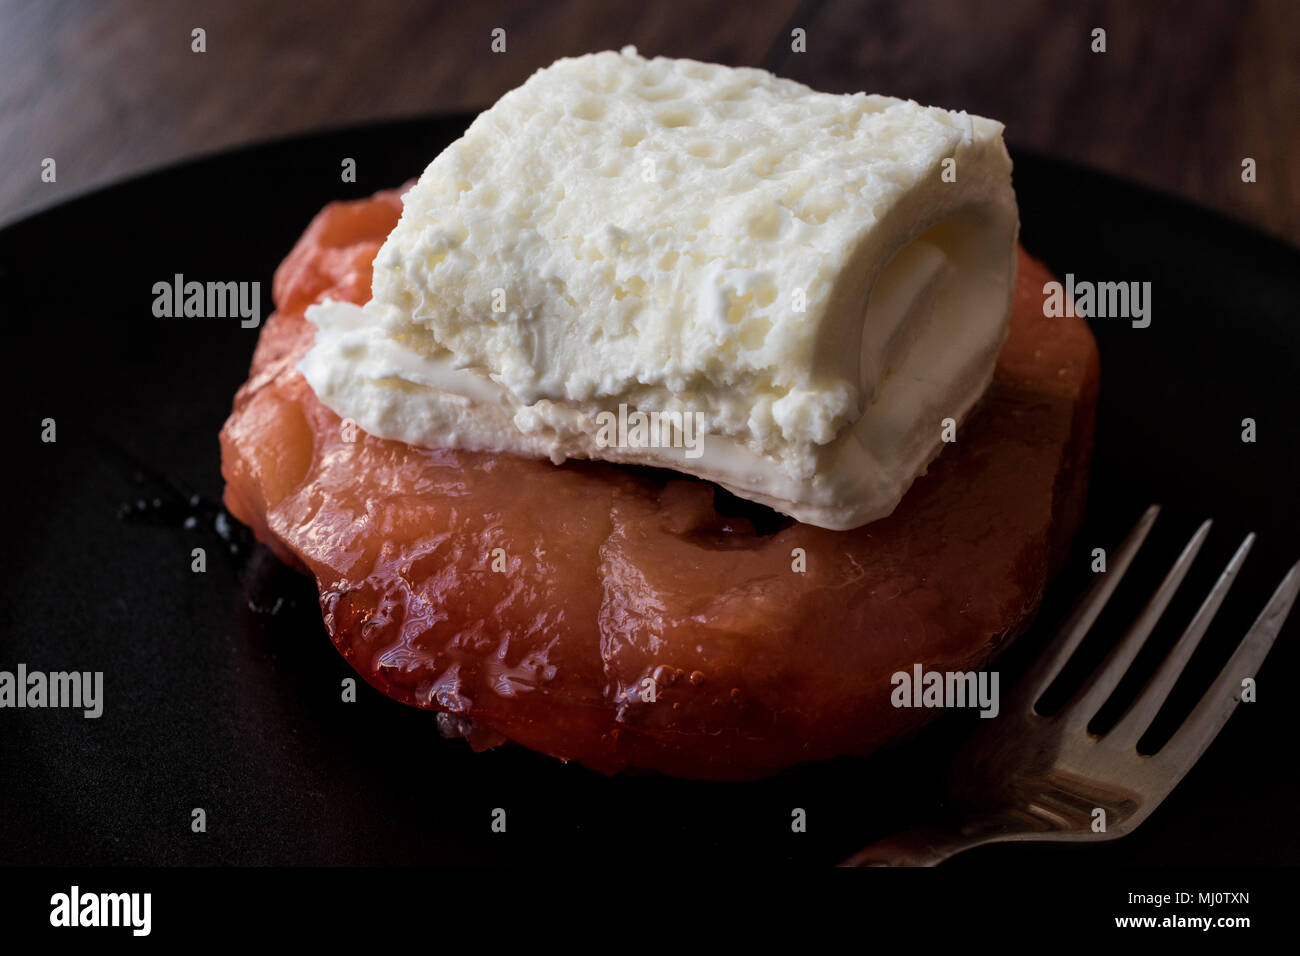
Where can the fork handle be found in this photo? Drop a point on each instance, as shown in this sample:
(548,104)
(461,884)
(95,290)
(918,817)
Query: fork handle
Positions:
(924,846)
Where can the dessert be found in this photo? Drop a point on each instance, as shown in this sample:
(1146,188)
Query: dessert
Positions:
(472,560)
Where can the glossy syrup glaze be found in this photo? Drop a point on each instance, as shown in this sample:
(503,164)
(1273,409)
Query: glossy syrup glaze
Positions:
(617,577)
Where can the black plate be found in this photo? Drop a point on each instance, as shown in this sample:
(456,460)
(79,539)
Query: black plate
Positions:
(223,691)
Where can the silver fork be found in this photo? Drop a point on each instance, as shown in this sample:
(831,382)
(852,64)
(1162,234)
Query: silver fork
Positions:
(1028,777)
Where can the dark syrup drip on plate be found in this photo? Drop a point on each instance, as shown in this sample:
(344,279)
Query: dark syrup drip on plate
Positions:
(163,503)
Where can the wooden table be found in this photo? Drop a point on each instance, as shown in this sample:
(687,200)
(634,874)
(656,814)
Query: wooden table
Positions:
(1182,94)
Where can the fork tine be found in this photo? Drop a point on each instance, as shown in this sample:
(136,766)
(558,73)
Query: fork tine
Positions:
(1218,703)
(1137,718)
(1049,664)
(1085,704)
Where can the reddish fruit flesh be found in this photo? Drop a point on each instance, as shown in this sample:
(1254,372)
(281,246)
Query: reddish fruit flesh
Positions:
(614,576)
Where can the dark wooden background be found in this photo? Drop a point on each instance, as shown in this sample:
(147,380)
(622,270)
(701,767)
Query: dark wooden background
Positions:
(1184,92)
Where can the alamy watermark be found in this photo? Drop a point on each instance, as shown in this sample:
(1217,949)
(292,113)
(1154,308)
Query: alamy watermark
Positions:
(129,910)
(651,430)
(1101,300)
(79,690)
(922,688)
(208,300)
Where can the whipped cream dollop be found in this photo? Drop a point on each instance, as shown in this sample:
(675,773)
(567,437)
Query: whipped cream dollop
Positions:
(692,266)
